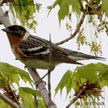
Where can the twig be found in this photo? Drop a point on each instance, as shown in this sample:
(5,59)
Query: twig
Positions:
(1,2)
(47,73)
(78,95)
(36,101)
(49,70)
(9,101)
(4,18)
(9,92)
(76,31)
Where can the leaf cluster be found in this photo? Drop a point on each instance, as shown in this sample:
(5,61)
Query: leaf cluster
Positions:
(10,77)
(90,78)
(25,11)
(96,14)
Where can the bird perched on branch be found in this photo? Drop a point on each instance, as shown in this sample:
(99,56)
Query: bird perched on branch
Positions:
(34,51)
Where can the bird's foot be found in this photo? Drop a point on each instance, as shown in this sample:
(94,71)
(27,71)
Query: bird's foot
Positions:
(16,59)
(38,82)
(25,67)
(52,68)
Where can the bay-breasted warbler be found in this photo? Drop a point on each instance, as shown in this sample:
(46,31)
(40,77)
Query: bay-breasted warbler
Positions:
(34,51)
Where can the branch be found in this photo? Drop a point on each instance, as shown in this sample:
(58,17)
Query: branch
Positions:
(78,95)
(1,2)
(9,101)
(76,31)
(41,86)
(36,101)
(4,19)
(49,69)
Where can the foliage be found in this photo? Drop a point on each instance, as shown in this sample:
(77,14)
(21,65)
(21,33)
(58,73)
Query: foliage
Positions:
(64,7)
(92,76)
(28,96)
(25,12)
(95,11)
(11,75)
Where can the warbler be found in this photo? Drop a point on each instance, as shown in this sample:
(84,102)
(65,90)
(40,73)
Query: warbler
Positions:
(34,51)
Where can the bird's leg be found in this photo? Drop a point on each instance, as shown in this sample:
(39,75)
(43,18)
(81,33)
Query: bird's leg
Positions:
(16,59)
(25,67)
(38,82)
(41,79)
(52,68)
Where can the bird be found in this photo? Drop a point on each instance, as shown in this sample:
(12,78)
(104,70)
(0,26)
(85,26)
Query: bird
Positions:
(34,51)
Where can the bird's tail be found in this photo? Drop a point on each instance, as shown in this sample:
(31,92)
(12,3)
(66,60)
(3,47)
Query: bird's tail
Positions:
(74,55)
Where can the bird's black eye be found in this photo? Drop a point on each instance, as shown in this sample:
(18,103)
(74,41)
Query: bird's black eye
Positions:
(17,29)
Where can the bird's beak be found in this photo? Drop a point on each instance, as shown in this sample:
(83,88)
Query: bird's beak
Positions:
(6,30)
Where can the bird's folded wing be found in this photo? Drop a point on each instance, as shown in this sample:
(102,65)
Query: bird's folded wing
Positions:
(33,46)
(39,48)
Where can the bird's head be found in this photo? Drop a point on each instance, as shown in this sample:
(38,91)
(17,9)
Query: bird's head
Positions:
(15,30)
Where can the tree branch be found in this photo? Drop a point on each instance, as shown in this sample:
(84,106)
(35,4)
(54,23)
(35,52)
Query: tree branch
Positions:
(74,99)
(41,86)
(4,19)
(36,101)
(49,70)
(9,101)
(1,2)
(76,31)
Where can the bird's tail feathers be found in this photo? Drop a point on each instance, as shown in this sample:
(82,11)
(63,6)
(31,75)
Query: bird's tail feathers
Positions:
(99,58)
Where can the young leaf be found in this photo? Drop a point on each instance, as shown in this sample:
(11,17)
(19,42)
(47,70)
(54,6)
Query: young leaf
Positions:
(105,6)
(68,81)
(93,73)
(64,7)
(31,91)
(26,99)
(12,73)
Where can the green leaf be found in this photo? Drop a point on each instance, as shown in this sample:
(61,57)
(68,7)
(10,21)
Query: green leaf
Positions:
(24,10)
(64,7)
(31,91)
(94,73)
(41,104)
(89,72)
(3,83)
(68,81)
(27,99)
(65,79)
(98,1)
(4,104)
(13,73)
(105,6)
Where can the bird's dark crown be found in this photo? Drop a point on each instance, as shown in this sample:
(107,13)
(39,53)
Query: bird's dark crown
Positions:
(15,30)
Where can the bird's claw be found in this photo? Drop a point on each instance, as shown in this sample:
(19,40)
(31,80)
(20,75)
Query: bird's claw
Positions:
(52,68)
(25,67)
(38,82)
(16,59)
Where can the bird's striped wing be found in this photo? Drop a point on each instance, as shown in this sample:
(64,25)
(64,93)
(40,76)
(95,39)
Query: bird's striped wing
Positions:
(39,48)
(33,46)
